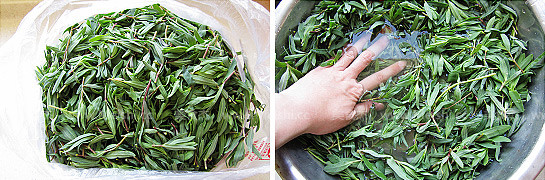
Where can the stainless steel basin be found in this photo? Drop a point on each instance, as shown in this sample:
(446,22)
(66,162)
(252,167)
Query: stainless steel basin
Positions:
(523,158)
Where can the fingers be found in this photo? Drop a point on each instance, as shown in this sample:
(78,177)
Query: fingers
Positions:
(374,80)
(361,42)
(366,56)
(347,58)
(353,51)
(363,108)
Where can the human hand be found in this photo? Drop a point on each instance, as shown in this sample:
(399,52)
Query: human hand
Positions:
(326,99)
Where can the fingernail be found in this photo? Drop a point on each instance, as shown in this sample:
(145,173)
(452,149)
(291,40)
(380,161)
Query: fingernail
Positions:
(379,106)
(379,45)
(402,64)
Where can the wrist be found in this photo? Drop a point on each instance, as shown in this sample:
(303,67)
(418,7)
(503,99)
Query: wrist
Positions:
(291,119)
(294,110)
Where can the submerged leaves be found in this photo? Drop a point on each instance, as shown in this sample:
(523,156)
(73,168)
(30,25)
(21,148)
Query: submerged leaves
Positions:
(447,113)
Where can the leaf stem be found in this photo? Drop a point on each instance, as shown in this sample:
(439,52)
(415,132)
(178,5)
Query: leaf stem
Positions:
(116,146)
(99,129)
(435,122)
(65,56)
(458,83)
(104,61)
(175,130)
(459,100)
(513,59)
(90,149)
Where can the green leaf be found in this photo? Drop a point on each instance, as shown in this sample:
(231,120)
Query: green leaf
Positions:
(130,46)
(376,24)
(119,154)
(373,168)
(411,6)
(489,145)
(430,12)
(204,81)
(109,118)
(495,131)
(293,56)
(198,37)
(77,141)
(361,132)
(331,62)
(515,97)
(128,84)
(339,166)
(180,146)
(398,169)
(457,159)
(509,9)
(506,42)
(238,154)
(84,163)
(373,153)
(100,138)
(500,139)
(284,80)
(178,49)
(211,148)
(150,162)
(101,38)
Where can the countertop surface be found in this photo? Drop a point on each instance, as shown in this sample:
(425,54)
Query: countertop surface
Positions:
(11,13)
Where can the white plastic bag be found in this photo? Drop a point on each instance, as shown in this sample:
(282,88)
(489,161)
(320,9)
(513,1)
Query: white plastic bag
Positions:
(243,24)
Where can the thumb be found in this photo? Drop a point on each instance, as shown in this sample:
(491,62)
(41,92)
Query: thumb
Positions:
(361,109)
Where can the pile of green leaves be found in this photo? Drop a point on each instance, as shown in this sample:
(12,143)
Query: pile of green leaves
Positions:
(145,89)
(447,114)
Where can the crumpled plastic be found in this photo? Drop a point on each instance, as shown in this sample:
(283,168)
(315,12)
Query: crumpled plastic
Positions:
(243,24)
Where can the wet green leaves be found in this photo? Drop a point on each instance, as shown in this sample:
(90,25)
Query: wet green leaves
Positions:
(447,114)
(143,88)
(339,166)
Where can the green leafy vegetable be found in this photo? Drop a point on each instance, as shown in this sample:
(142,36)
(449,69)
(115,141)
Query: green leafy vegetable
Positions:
(146,89)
